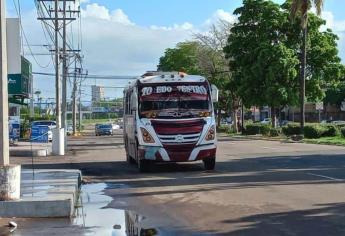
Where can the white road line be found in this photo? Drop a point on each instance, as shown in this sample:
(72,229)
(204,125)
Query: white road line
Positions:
(271,148)
(326,177)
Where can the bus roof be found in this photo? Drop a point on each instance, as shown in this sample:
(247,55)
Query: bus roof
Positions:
(154,77)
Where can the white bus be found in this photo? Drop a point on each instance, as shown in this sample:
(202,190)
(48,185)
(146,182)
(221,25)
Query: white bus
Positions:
(169,117)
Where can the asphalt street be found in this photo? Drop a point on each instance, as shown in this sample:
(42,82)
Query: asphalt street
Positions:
(258,188)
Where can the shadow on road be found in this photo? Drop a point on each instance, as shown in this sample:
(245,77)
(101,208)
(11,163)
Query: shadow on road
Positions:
(328,219)
(238,173)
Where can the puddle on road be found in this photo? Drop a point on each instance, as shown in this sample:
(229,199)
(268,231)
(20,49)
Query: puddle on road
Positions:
(92,217)
(97,219)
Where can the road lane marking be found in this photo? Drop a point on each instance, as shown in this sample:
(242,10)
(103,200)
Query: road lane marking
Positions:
(326,177)
(272,148)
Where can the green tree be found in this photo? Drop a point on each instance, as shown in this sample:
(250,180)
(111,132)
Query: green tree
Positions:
(214,65)
(335,95)
(263,66)
(300,8)
(264,49)
(205,56)
(182,58)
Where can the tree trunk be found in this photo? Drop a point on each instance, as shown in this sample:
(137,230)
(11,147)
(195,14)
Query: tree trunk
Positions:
(219,116)
(274,117)
(234,120)
(303,75)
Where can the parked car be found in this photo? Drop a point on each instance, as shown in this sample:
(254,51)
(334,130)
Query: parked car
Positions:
(69,130)
(104,130)
(115,127)
(338,122)
(266,121)
(120,123)
(49,123)
(283,123)
(226,121)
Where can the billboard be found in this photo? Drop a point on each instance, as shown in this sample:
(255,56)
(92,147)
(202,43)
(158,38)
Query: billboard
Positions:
(14,127)
(39,134)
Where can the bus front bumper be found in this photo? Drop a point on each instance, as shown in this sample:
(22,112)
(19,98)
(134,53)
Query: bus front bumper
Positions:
(177,154)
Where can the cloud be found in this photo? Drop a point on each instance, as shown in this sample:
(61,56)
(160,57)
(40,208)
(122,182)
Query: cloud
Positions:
(113,44)
(338,27)
(331,23)
(119,16)
(220,14)
(184,26)
(95,11)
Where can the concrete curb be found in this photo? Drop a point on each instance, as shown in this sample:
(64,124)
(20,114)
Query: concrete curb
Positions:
(46,194)
(30,153)
(252,137)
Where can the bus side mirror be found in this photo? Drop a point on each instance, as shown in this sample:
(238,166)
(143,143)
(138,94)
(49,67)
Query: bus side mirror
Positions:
(214,93)
(134,102)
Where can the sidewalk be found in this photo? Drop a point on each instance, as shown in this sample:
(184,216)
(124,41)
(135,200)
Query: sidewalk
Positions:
(27,149)
(46,193)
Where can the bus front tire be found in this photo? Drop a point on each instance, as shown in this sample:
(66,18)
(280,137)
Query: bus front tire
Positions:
(209,163)
(143,165)
(130,160)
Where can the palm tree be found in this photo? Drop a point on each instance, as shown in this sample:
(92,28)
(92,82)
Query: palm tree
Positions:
(300,8)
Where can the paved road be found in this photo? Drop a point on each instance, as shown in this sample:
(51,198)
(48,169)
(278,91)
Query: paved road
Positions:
(258,187)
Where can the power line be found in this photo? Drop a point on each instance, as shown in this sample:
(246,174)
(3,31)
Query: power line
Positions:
(90,76)
(24,35)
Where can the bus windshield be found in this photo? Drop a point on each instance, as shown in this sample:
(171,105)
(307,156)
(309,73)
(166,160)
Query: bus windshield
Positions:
(181,101)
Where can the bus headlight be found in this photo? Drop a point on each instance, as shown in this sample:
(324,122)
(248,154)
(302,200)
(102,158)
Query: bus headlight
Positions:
(146,136)
(204,114)
(211,134)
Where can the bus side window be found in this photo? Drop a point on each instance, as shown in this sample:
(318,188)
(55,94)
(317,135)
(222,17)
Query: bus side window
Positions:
(129,103)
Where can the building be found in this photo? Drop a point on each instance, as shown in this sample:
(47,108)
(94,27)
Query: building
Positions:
(97,93)
(19,76)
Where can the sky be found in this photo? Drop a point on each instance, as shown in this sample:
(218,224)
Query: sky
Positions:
(127,37)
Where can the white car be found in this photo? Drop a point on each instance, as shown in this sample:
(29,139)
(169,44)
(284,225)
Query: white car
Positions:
(115,126)
(266,121)
(69,130)
(338,122)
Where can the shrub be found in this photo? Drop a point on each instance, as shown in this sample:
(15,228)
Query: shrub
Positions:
(274,132)
(342,130)
(265,130)
(314,131)
(330,131)
(225,129)
(252,129)
(291,129)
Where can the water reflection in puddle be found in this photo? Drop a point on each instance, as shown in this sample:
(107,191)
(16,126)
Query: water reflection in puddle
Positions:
(93,215)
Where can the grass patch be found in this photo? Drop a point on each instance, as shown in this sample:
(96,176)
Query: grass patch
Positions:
(337,140)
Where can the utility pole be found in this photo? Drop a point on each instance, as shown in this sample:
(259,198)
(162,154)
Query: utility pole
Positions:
(58,137)
(54,14)
(74,96)
(64,70)
(32,106)
(9,174)
(80,117)
(80,114)
(4,135)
